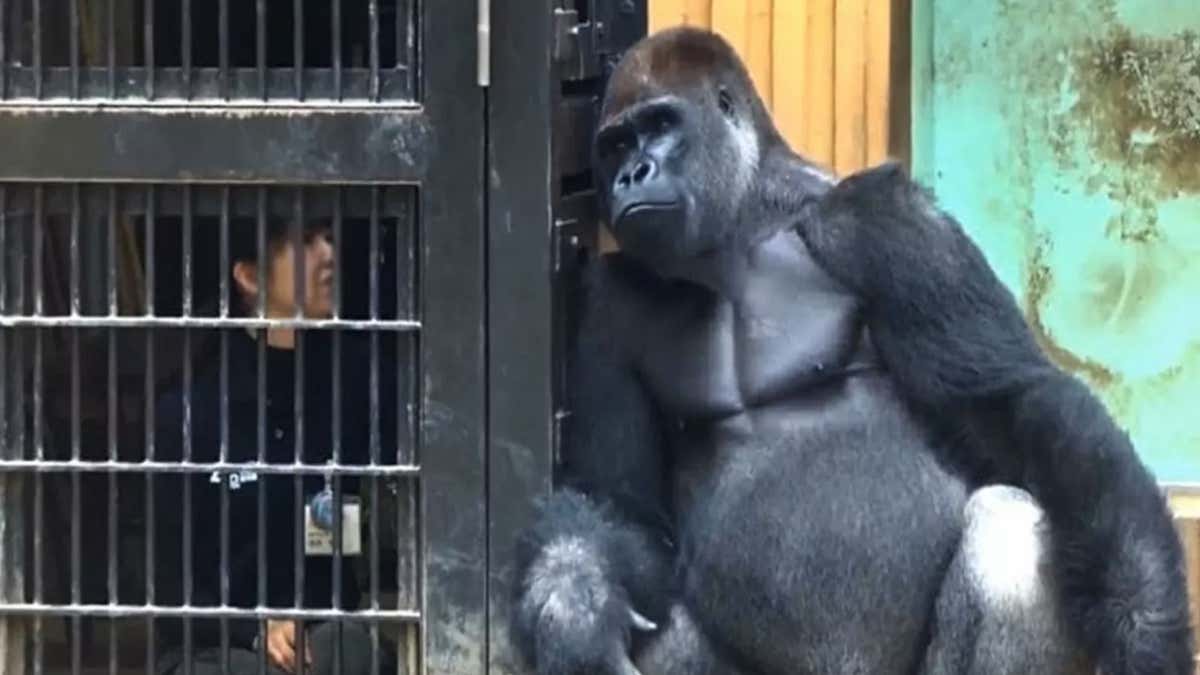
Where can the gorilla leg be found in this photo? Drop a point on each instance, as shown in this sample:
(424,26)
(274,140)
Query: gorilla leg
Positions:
(997,613)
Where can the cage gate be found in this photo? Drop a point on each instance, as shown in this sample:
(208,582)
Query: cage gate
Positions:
(252,276)
(162,398)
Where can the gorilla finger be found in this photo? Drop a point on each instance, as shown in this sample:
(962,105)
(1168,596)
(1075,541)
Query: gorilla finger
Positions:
(641,623)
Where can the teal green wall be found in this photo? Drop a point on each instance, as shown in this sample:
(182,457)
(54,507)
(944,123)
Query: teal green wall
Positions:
(1065,134)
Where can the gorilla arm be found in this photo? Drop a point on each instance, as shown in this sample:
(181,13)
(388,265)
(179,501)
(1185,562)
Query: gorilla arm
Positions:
(958,346)
(598,559)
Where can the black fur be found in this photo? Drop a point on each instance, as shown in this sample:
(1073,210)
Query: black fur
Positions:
(955,340)
(784,393)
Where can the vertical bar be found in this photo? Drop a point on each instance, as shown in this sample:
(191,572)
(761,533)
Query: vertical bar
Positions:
(3,49)
(39,233)
(298,410)
(337,243)
(337,495)
(298,47)
(4,272)
(186,29)
(74,250)
(39,560)
(261,406)
(151,216)
(37,49)
(224,257)
(76,508)
(373,267)
(373,404)
(8,570)
(148,36)
(403,9)
(261,46)
(186,431)
(224,455)
(76,413)
(74,47)
(298,253)
(261,267)
(373,14)
(149,415)
(337,403)
(112,250)
(113,500)
(373,573)
(337,49)
(186,235)
(223,17)
(18,348)
(337,438)
(111,46)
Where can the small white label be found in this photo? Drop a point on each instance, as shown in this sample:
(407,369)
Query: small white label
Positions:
(318,541)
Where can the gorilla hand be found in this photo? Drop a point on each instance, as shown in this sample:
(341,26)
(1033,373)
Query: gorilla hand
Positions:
(580,621)
(581,572)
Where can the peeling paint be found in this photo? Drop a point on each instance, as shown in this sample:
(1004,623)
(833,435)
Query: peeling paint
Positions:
(1066,137)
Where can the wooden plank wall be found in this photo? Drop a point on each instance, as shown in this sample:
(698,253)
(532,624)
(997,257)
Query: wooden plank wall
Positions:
(833,72)
(1187,514)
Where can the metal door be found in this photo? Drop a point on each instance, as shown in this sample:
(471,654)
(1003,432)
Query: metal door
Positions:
(124,123)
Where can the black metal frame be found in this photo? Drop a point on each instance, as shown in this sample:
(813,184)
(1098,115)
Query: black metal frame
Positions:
(434,143)
(550,60)
(495,289)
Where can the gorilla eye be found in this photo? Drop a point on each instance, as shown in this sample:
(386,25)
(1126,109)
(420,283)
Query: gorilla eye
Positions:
(725,102)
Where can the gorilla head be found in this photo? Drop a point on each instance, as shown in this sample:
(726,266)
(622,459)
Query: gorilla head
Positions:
(688,159)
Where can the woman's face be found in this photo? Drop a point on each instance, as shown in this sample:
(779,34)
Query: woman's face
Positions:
(318,268)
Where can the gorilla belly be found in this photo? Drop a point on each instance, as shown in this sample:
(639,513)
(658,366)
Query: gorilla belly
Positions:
(816,543)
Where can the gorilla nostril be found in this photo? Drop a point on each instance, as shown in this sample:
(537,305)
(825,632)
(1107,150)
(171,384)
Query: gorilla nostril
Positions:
(642,170)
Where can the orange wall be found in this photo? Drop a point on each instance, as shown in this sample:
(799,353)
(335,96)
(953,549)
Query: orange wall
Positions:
(824,67)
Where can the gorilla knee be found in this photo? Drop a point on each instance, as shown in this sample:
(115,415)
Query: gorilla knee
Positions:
(1004,547)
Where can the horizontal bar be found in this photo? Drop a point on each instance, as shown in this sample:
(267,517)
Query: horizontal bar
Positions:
(85,466)
(67,321)
(188,144)
(244,87)
(131,611)
(208,203)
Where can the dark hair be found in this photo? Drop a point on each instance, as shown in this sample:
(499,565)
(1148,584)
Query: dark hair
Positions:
(243,247)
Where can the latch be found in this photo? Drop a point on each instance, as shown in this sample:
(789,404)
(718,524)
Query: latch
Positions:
(483,43)
(575,45)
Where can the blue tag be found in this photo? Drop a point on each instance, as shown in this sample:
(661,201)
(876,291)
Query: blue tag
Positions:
(322,509)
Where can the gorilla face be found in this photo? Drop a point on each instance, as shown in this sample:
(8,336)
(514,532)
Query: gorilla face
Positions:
(674,170)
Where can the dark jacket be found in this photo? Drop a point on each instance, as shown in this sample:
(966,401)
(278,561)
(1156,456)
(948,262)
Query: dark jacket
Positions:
(243,489)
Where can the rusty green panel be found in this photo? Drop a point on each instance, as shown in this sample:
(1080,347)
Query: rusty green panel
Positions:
(1066,137)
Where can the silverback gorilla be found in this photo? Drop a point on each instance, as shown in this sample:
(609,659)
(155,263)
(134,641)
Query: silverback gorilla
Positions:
(812,433)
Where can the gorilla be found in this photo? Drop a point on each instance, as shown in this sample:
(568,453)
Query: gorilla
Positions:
(812,433)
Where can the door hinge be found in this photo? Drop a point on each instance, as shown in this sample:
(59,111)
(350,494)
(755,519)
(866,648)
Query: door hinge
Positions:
(575,45)
(483,43)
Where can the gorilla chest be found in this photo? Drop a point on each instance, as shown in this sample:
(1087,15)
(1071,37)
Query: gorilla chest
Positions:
(722,358)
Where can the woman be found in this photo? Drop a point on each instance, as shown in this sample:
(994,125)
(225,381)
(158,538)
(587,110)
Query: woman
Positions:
(282,641)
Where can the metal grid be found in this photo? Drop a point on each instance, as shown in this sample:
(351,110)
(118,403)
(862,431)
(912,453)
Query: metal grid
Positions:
(107,294)
(208,50)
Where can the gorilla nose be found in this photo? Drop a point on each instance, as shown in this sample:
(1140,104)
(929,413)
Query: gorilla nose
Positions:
(636,174)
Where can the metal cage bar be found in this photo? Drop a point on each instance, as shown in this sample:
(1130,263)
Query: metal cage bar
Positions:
(163,222)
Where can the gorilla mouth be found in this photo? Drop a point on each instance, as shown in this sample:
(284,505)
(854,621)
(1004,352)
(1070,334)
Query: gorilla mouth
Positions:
(638,208)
